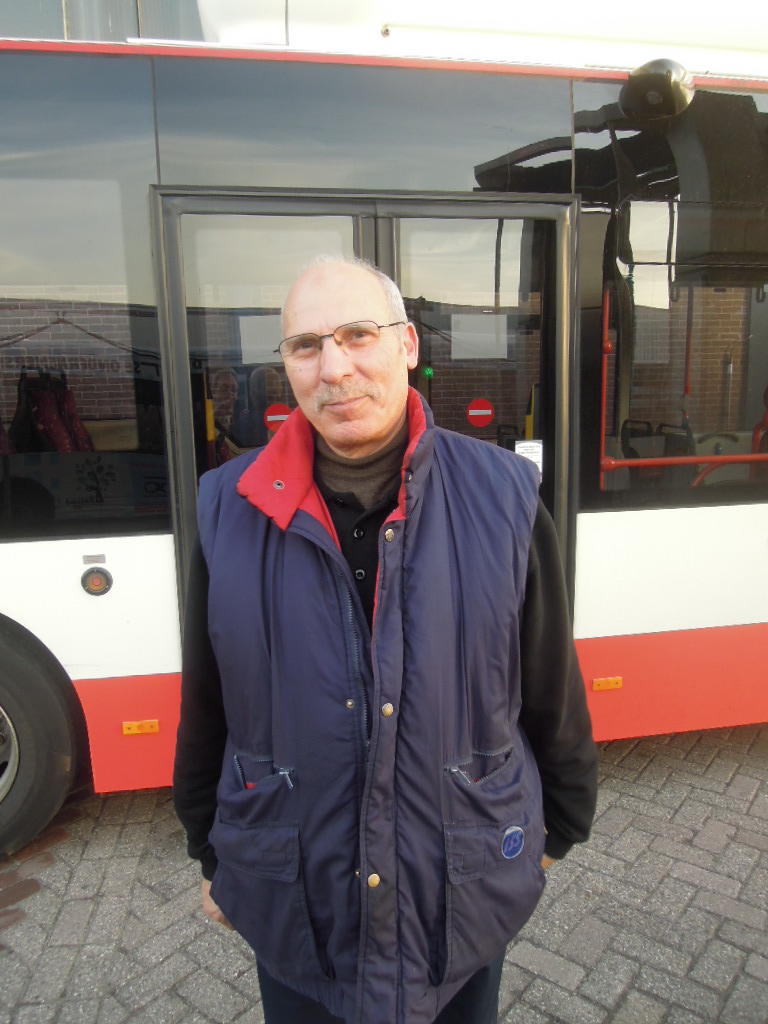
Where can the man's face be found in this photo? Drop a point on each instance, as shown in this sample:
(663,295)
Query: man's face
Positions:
(224,393)
(357,404)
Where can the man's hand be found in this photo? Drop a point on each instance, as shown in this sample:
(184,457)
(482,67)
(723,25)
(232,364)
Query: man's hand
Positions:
(547,862)
(210,908)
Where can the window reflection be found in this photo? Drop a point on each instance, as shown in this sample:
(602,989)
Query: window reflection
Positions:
(306,125)
(471,288)
(237,271)
(81,402)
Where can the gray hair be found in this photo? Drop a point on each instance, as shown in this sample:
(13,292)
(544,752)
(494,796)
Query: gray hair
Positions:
(390,289)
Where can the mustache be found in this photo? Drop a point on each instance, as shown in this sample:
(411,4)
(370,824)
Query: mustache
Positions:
(341,392)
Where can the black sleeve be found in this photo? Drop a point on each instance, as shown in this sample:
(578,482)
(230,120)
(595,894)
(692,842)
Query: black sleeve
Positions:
(202,727)
(554,713)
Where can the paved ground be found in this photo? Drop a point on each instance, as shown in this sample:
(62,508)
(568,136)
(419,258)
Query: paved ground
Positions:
(662,917)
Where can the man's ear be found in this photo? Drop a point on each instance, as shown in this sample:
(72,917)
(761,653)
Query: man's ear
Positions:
(411,344)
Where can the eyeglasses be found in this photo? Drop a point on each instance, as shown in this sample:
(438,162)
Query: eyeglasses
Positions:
(352,338)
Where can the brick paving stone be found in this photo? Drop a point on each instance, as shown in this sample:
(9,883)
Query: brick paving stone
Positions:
(514,981)
(613,821)
(162,944)
(719,966)
(611,979)
(35,1013)
(91,972)
(562,1005)
(84,1012)
(757,840)
(640,1009)
(148,985)
(588,941)
(211,996)
(650,871)
(739,862)
(223,953)
(688,994)
(753,917)
(759,807)
(714,836)
(630,845)
(746,1004)
(642,949)
(748,939)
(87,878)
(676,1015)
(520,1013)
(757,966)
(164,1008)
(693,931)
(546,965)
(704,879)
(108,919)
(49,979)
(253,1015)
(111,1012)
(670,900)
(247,984)
(71,923)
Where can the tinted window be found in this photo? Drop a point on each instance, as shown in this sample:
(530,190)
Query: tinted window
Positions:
(80,388)
(674,225)
(301,125)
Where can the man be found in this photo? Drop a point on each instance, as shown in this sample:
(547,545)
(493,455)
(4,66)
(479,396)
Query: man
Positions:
(378,652)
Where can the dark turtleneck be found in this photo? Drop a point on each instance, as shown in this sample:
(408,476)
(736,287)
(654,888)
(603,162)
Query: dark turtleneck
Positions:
(360,494)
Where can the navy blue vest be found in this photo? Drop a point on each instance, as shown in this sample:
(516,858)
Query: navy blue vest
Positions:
(380,830)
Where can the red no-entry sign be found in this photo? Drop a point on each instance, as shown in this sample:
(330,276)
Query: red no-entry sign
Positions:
(275,415)
(480,412)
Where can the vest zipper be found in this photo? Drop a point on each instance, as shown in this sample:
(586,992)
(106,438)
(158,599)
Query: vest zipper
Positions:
(362,695)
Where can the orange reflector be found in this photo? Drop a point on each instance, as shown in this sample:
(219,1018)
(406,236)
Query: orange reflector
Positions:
(140,728)
(609,683)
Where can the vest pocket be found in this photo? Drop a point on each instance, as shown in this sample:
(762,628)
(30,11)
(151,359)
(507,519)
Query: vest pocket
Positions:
(254,789)
(494,881)
(259,886)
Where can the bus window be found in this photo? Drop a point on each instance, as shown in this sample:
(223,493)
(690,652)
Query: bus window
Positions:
(473,288)
(237,270)
(82,412)
(685,382)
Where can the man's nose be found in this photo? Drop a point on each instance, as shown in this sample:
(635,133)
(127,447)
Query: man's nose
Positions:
(334,361)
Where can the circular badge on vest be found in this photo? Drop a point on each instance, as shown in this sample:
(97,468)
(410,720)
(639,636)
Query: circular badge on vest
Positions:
(512,842)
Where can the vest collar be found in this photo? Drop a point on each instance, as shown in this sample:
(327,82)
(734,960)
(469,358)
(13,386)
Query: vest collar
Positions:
(280,483)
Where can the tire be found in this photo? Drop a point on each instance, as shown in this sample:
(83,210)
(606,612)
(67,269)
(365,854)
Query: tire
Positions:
(40,721)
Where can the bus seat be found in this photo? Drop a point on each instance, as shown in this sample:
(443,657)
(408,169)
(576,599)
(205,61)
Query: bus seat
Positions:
(630,429)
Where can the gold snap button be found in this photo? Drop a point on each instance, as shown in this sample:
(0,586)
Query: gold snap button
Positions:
(387,710)
(389,536)
(373,880)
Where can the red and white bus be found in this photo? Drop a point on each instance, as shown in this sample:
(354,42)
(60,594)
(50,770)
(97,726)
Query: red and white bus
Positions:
(584,253)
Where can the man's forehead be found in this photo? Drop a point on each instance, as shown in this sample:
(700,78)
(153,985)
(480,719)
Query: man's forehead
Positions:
(322,290)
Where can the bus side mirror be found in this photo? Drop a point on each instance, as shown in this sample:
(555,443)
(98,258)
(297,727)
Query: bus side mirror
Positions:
(660,88)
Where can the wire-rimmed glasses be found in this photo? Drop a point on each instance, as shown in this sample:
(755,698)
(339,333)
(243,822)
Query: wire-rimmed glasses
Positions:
(352,338)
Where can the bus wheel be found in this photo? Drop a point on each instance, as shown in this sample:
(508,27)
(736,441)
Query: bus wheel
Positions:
(38,736)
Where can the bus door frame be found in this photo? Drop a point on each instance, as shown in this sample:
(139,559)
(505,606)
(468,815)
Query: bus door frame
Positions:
(374,216)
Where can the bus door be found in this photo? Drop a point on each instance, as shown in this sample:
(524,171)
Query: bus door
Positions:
(488,283)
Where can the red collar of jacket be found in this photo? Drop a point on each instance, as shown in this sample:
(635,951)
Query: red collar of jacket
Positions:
(280,481)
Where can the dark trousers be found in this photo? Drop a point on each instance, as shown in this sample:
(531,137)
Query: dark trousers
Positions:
(476,1003)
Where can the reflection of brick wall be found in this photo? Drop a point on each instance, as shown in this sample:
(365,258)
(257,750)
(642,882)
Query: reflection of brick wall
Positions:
(99,369)
(720,329)
(505,383)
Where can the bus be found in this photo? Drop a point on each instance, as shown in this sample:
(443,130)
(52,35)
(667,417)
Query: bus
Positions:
(583,250)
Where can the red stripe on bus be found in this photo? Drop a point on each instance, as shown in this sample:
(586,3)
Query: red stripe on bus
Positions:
(141,760)
(677,681)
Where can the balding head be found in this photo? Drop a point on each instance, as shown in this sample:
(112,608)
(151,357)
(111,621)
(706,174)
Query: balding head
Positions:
(356,401)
